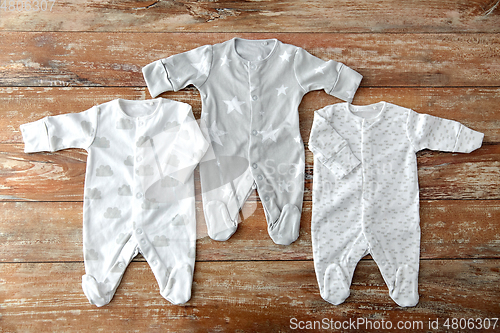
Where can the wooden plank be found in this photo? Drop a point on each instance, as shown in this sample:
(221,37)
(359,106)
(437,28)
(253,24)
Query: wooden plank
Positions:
(52,231)
(474,107)
(60,176)
(240,296)
(420,60)
(258,16)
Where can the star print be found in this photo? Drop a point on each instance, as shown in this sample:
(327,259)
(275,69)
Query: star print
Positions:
(297,139)
(269,134)
(299,167)
(282,90)
(285,56)
(216,133)
(202,67)
(234,104)
(319,69)
(225,61)
(284,186)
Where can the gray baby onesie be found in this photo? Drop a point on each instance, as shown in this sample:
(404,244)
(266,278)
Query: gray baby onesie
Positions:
(365,192)
(250,91)
(139,189)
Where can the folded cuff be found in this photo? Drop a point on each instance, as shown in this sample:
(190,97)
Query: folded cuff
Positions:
(342,163)
(468,140)
(35,136)
(156,78)
(347,84)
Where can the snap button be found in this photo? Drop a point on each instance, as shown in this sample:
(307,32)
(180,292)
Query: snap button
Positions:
(138,195)
(254,132)
(143,241)
(254,186)
(138,230)
(266,198)
(121,265)
(154,262)
(254,165)
(139,158)
(254,97)
(253,67)
(141,123)
(259,177)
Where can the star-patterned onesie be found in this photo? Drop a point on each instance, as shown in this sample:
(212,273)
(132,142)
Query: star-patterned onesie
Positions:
(139,189)
(365,192)
(250,91)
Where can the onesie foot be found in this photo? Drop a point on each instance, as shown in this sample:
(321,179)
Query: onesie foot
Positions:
(219,224)
(94,294)
(336,286)
(178,288)
(405,292)
(286,229)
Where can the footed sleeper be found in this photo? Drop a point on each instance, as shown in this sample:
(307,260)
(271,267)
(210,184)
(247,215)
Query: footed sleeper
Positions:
(250,91)
(365,193)
(139,189)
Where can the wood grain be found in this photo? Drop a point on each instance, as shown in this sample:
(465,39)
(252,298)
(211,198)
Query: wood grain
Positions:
(52,231)
(238,296)
(60,176)
(476,108)
(419,60)
(260,16)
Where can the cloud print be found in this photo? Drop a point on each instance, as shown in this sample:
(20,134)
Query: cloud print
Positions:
(143,141)
(124,191)
(145,170)
(168,181)
(91,254)
(122,238)
(101,142)
(170,126)
(93,194)
(184,135)
(149,205)
(129,161)
(173,160)
(161,241)
(113,213)
(55,142)
(124,124)
(86,127)
(104,171)
(179,220)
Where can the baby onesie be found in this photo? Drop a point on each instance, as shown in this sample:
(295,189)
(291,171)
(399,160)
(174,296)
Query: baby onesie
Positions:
(250,91)
(139,189)
(365,192)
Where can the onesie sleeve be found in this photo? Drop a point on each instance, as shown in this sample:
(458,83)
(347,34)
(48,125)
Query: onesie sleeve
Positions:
(72,130)
(333,77)
(187,150)
(179,71)
(330,148)
(429,132)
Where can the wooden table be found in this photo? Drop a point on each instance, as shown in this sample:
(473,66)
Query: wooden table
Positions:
(439,57)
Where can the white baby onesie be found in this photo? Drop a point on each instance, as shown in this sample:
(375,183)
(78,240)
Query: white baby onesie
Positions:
(365,192)
(250,91)
(139,189)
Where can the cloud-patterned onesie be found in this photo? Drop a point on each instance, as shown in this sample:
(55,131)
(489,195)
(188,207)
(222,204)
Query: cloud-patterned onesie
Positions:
(139,189)
(250,91)
(365,192)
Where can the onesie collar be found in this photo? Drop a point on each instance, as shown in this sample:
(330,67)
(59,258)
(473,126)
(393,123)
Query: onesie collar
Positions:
(269,56)
(370,120)
(120,102)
